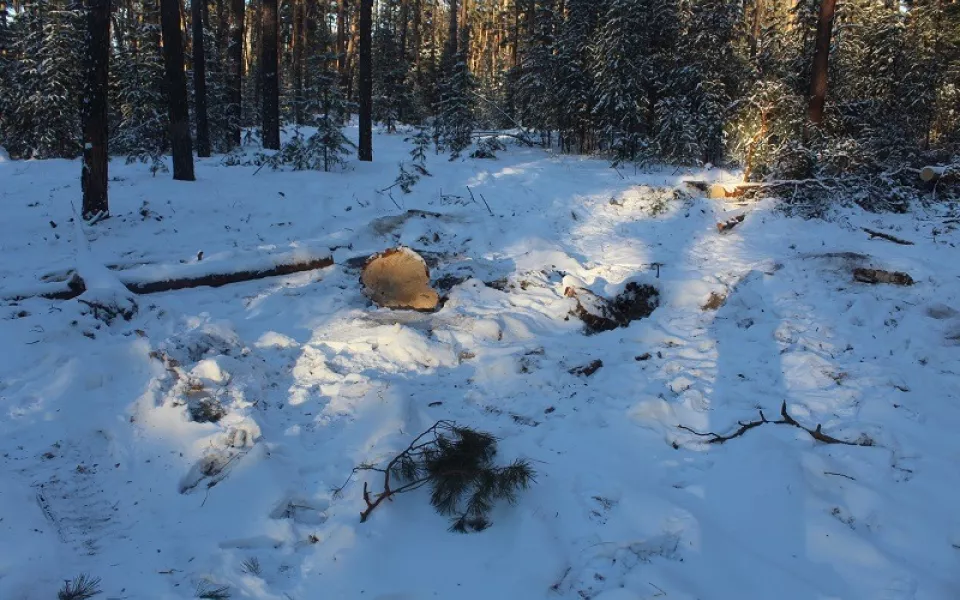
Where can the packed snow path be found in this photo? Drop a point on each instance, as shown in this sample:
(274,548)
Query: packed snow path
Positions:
(200,443)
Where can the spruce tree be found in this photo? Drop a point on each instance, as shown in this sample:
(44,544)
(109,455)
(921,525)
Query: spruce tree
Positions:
(456,111)
(535,91)
(141,128)
(41,117)
(392,97)
(575,84)
(625,72)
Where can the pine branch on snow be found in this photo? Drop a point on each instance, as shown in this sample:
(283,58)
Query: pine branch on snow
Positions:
(82,587)
(457,464)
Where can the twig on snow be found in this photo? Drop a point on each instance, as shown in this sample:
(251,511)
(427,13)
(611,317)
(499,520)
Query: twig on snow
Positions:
(840,475)
(887,236)
(472,197)
(785,419)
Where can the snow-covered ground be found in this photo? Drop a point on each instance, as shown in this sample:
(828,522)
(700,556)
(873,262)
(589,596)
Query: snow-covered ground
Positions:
(104,472)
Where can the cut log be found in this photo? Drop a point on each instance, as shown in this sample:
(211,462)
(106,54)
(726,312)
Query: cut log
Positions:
(587,370)
(719,191)
(930,174)
(874,276)
(399,278)
(730,223)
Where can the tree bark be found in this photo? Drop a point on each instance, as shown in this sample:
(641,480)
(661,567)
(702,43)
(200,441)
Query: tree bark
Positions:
(179,112)
(365,151)
(269,68)
(181,277)
(342,43)
(235,70)
(453,45)
(298,53)
(93,178)
(200,79)
(417,40)
(821,57)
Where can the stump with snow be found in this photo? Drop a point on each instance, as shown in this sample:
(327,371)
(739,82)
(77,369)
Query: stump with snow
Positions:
(400,279)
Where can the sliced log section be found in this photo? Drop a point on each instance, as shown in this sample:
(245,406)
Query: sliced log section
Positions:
(399,278)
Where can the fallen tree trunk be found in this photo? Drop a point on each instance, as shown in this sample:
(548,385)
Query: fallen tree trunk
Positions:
(155,278)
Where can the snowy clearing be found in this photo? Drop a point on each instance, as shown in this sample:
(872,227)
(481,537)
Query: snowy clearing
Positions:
(200,443)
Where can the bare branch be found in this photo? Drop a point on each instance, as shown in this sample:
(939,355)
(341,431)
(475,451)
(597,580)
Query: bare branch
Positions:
(785,419)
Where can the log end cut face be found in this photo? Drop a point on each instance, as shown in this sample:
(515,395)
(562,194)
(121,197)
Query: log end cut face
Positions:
(399,279)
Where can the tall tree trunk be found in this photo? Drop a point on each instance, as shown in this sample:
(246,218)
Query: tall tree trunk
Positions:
(452,30)
(417,36)
(269,69)
(200,79)
(756,27)
(93,178)
(342,43)
(365,151)
(176,85)
(298,43)
(821,57)
(235,70)
(352,43)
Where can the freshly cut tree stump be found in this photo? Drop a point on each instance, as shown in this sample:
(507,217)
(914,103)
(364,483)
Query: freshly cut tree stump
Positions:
(400,279)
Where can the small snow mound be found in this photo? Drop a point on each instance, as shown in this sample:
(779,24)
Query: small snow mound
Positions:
(272,339)
(4,155)
(209,370)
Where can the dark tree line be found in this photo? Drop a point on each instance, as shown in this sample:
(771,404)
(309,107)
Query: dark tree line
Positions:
(788,89)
